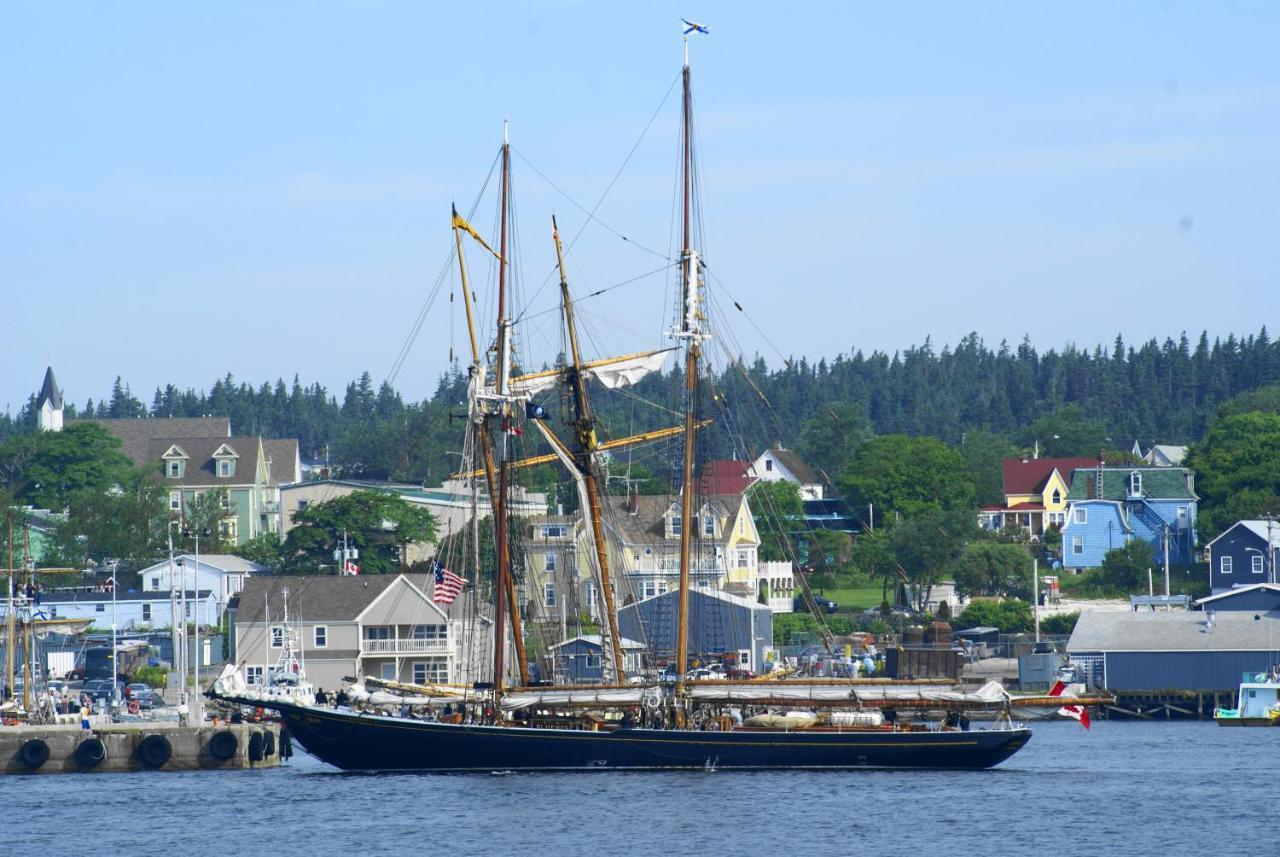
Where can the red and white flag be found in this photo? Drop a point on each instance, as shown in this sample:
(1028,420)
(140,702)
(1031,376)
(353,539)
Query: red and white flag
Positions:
(350,567)
(448,585)
(1075,712)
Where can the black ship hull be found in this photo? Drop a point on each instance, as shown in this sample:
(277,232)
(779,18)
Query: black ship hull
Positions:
(368,742)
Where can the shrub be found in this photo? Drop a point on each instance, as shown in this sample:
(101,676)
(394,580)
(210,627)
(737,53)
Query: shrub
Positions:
(156,677)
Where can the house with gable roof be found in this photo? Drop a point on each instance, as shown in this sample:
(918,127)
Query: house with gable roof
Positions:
(780,464)
(1243,555)
(1035,494)
(1110,506)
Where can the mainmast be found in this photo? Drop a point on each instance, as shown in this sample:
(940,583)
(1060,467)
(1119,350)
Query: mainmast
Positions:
(690,331)
(584,455)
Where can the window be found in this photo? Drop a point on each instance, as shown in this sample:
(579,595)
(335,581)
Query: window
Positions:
(709,525)
(743,559)
(1135,484)
(549,561)
(146,612)
(434,670)
(429,632)
(100,608)
(253,675)
(1056,497)
(174,469)
(554,531)
(1257,563)
(378,632)
(175,501)
(302,504)
(320,636)
(591,660)
(277,636)
(1182,516)
(1077,545)
(549,594)
(1224,565)
(591,595)
(224,500)
(1082,516)
(768,464)
(744,659)
(388,671)
(650,588)
(226,468)
(676,525)
(227,530)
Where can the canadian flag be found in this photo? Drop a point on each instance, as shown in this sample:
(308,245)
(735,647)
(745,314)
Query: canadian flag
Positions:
(1075,712)
(350,568)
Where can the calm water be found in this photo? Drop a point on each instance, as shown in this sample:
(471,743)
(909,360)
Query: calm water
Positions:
(1134,789)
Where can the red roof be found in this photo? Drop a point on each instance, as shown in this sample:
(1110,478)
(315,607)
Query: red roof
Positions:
(726,476)
(1027,507)
(1029,475)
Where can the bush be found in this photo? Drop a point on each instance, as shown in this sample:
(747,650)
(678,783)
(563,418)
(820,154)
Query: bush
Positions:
(1011,616)
(1059,623)
(156,677)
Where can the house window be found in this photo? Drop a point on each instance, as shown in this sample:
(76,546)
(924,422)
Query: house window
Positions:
(173,469)
(1077,545)
(743,559)
(388,671)
(277,636)
(227,530)
(224,500)
(1224,565)
(429,632)
(709,525)
(650,588)
(320,636)
(100,608)
(253,675)
(768,464)
(378,632)
(430,671)
(303,504)
(1057,496)
(1082,516)
(744,659)
(549,594)
(1257,563)
(146,612)
(1182,516)
(591,595)
(1135,484)
(549,561)
(591,660)
(175,501)
(676,525)
(226,468)
(419,672)
(553,531)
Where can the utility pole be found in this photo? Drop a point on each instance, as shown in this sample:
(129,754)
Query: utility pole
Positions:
(1035,595)
(1166,562)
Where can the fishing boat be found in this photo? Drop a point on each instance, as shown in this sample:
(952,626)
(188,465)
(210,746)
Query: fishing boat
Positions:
(521,725)
(1259,703)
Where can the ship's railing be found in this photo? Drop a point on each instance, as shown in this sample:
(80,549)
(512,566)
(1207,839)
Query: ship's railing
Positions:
(378,647)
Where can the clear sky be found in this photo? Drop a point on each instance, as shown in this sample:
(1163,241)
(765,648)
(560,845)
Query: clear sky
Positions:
(263,188)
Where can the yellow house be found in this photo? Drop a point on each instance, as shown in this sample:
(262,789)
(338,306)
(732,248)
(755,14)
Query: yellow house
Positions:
(1035,494)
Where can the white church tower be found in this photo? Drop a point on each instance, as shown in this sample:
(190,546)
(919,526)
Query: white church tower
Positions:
(50,403)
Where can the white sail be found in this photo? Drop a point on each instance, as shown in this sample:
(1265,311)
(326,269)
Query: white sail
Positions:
(612,372)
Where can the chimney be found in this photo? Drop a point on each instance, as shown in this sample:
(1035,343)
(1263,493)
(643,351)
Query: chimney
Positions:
(633,501)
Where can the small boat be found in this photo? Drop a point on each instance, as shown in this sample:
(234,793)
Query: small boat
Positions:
(1259,703)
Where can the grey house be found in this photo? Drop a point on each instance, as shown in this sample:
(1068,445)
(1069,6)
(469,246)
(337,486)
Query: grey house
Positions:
(1243,555)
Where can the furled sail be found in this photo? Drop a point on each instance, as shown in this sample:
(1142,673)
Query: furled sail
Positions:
(612,372)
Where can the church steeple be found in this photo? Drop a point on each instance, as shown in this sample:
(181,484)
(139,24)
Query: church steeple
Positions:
(49,403)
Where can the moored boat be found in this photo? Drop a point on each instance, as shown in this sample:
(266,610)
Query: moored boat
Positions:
(1259,702)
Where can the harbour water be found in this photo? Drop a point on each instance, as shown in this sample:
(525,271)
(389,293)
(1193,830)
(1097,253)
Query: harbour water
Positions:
(1130,788)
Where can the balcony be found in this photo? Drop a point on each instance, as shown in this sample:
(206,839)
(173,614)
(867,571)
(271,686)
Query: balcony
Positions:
(403,647)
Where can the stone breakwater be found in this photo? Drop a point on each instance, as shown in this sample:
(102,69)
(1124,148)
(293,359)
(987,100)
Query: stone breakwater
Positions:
(138,747)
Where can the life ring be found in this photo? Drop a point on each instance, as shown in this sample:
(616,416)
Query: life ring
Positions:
(90,752)
(34,753)
(256,746)
(223,745)
(268,744)
(652,702)
(134,708)
(154,750)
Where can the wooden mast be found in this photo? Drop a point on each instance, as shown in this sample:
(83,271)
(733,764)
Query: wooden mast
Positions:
(583,459)
(482,441)
(10,619)
(689,330)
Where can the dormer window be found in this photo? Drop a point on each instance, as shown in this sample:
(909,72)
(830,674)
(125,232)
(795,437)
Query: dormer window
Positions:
(1135,483)
(1057,496)
(174,469)
(175,462)
(225,462)
(768,464)
(675,526)
(709,525)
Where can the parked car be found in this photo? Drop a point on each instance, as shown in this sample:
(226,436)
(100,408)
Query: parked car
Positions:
(826,605)
(700,674)
(143,695)
(740,675)
(100,689)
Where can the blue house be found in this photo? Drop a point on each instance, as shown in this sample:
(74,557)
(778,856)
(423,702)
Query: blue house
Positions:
(1258,598)
(1110,506)
(1243,555)
(580,660)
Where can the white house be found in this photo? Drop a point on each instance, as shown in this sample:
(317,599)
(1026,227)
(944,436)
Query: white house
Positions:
(222,574)
(777,464)
(131,611)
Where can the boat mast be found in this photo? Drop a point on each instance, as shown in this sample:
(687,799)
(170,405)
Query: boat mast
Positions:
(9,615)
(690,330)
(584,456)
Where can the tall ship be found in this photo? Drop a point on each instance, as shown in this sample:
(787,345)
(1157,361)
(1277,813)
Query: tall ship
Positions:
(508,720)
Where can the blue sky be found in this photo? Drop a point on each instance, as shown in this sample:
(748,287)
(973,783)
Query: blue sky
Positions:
(264,188)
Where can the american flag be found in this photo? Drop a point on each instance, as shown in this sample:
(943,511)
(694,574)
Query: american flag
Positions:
(350,568)
(448,585)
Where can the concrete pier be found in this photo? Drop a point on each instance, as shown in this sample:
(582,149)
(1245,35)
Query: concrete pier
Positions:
(138,747)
